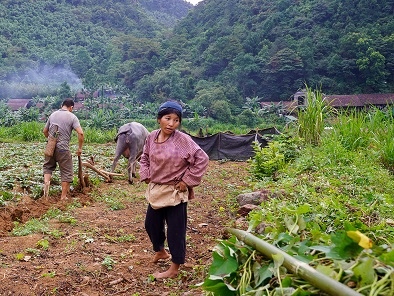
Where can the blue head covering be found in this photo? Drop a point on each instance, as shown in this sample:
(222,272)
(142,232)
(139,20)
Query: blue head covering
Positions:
(170,104)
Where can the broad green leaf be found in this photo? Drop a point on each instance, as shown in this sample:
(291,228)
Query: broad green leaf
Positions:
(304,258)
(327,270)
(303,209)
(260,291)
(223,265)
(301,223)
(347,226)
(324,249)
(344,247)
(287,282)
(218,287)
(303,252)
(278,260)
(388,258)
(255,218)
(261,273)
(284,292)
(283,238)
(291,225)
(300,292)
(364,271)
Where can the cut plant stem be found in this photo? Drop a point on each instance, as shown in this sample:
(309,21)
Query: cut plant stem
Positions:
(301,269)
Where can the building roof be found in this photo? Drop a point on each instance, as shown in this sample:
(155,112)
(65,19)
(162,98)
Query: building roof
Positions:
(16,104)
(343,100)
(360,100)
(338,101)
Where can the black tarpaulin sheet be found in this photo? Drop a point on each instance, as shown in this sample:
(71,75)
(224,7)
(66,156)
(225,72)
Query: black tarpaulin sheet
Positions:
(233,147)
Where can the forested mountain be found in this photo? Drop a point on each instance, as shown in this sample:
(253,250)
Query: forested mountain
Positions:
(80,41)
(236,49)
(221,53)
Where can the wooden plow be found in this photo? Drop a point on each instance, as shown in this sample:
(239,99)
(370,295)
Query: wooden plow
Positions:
(84,179)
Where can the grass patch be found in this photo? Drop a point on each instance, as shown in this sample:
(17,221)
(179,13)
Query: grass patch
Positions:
(30,227)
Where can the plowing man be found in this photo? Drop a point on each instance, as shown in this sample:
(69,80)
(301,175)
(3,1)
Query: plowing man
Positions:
(66,122)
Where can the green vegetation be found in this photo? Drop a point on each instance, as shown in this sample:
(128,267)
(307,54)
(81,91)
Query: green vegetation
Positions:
(328,204)
(214,57)
(31,226)
(328,185)
(41,225)
(120,239)
(47,42)
(271,48)
(311,117)
(101,128)
(108,262)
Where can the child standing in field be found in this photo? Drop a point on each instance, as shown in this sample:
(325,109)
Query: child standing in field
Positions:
(171,164)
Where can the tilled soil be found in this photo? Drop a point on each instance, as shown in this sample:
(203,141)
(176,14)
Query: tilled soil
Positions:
(99,247)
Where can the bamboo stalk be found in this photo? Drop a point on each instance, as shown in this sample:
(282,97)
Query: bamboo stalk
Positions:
(301,269)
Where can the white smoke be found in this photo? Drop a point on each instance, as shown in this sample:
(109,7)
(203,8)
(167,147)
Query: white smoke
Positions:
(41,81)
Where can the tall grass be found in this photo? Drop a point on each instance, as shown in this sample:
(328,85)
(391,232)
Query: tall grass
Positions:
(23,132)
(373,129)
(94,135)
(311,117)
(352,130)
(32,131)
(382,125)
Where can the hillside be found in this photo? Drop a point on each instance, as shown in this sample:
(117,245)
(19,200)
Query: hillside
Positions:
(47,42)
(214,55)
(271,48)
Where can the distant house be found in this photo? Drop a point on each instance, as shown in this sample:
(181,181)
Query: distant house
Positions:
(78,106)
(81,96)
(357,101)
(16,104)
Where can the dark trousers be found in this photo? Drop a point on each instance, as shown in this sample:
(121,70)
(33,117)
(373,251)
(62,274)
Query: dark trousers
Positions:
(176,219)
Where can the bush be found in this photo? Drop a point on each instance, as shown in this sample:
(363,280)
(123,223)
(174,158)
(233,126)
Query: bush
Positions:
(31,131)
(221,111)
(267,160)
(248,118)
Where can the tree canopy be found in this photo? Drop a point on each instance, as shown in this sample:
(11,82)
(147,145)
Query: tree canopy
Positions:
(219,50)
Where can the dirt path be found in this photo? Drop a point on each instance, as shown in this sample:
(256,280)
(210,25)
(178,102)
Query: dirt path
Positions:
(97,244)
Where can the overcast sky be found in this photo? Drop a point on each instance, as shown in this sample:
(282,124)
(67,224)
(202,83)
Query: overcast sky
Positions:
(194,2)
